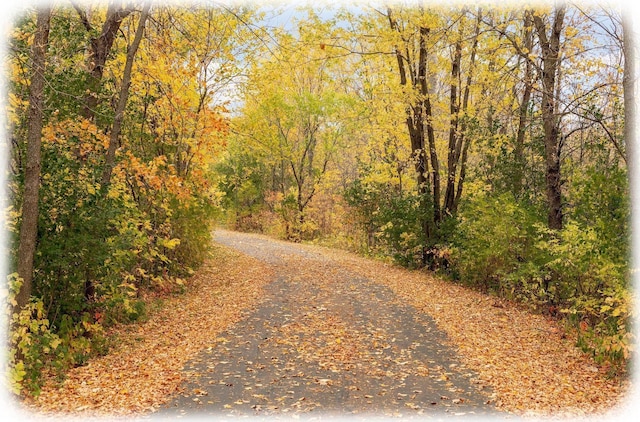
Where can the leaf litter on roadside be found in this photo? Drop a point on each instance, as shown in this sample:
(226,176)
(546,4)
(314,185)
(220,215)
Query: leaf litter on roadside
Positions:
(528,362)
(145,368)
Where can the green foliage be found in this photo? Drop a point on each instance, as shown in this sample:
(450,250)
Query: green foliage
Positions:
(88,237)
(599,198)
(591,285)
(399,228)
(493,239)
(393,219)
(579,271)
(242,176)
(38,348)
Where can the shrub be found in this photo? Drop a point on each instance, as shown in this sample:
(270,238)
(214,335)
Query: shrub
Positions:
(501,246)
(592,287)
(36,348)
(494,238)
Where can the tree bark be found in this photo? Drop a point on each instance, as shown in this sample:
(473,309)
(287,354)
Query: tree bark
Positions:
(629,85)
(550,46)
(30,213)
(122,101)
(518,151)
(454,119)
(461,150)
(100,47)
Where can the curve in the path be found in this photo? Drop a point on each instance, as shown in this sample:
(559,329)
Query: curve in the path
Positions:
(326,342)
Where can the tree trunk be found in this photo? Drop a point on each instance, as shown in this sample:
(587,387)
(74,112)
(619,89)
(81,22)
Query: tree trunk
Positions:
(29,226)
(629,85)
(454,119)
(463,151)
(518,151)
(122,101)
(428,126)
(100,47)
(552,142)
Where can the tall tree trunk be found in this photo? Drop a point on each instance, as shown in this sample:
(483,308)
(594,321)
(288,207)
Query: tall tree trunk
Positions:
(29,226)
(552,142)
(99,50)
(122,101)
(420,118)
(435,164)
(454,120)
(629,86)
(427,125)
(463,151)
(518,150)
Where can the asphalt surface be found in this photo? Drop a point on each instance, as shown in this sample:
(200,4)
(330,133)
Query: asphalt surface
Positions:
(325,343)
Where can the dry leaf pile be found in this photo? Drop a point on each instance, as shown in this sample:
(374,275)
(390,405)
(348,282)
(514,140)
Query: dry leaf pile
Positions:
(530,364)
(529,361)
(146,366)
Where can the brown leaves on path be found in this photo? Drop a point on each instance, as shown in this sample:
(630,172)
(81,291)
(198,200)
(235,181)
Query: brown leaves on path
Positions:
(531,364)
(145,368)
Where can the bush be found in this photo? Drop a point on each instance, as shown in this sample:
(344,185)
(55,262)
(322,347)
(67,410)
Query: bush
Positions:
(394,220)
(400,231)
(494,238)
(36,348)
(592,287)
(100,246)
(501,246)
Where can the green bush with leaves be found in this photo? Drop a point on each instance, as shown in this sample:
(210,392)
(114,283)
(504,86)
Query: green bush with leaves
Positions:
(36,347)
(580,271)
(493,239)
(591,285)
(393,218)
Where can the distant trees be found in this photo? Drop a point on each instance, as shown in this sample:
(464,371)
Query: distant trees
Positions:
(297,118)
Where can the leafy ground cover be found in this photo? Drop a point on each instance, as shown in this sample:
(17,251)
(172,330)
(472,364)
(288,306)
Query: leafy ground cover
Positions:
(528,361)
(146,366)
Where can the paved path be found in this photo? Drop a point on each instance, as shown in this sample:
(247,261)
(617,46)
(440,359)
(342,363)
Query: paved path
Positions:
(326,342)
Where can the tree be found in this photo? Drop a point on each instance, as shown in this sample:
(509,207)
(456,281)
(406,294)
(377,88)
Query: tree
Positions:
(122,101)
(99,50)
(417,62)
(550,54)
(30,211)
(412,68)
(296,115)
